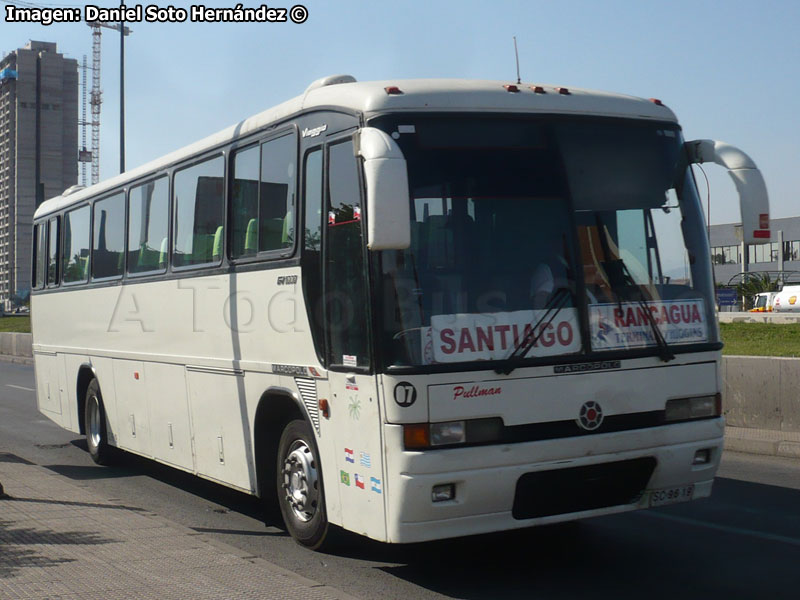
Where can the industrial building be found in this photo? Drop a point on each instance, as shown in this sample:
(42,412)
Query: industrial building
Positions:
(38,150)
(780,257)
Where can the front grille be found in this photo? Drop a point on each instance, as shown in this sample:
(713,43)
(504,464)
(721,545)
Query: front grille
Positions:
(562,491)
(562,429)
(554,430)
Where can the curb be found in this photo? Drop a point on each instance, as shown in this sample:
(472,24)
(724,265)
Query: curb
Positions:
(767,442)
(19,360)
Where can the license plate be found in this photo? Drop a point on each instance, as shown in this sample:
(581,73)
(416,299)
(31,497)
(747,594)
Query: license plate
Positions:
(671,495)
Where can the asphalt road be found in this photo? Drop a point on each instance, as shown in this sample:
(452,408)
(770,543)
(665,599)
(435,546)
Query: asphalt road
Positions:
(743,542)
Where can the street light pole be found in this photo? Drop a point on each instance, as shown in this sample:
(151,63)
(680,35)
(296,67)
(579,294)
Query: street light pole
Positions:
(122,96)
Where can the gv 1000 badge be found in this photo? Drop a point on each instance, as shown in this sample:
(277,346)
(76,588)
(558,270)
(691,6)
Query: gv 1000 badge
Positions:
(591,416)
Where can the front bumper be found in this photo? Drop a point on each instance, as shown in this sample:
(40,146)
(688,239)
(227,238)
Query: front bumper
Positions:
(485,477)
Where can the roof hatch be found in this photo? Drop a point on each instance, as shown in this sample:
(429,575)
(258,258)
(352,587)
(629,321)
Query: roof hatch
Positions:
(330,80)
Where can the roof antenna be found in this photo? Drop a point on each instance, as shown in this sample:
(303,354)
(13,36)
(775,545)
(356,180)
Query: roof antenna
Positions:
(516,54)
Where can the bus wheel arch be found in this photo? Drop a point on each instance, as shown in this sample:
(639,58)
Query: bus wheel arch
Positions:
(280,414)
(276,409)
(96,425)
(85,376)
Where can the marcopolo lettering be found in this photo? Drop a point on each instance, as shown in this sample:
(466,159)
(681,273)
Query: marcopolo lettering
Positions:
(289,370)
(603,365)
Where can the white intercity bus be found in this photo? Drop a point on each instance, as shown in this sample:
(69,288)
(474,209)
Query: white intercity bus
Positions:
(413,309)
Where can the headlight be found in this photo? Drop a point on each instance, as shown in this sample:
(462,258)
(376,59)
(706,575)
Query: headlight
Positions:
(418,436)
(700,407)
(451,432)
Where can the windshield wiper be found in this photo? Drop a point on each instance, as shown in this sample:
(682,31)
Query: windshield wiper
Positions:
(621,279)
(552,308)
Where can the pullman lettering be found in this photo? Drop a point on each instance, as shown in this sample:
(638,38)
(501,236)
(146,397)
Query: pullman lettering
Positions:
(475,391)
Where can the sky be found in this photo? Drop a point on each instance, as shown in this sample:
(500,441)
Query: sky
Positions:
(729,69)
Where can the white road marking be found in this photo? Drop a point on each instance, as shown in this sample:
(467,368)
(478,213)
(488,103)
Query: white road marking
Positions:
(20,387)
(726,528)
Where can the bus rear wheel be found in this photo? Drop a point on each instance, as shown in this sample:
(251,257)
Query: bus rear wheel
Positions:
(299,481)
(95,426)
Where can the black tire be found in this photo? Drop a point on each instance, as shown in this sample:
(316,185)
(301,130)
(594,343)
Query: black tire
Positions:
(299,485)
(95,424)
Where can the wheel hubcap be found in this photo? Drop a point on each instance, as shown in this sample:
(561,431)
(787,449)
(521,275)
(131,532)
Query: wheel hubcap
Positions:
(94,421)
(300,481)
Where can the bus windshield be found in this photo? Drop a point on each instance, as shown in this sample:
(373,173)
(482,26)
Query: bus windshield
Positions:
(508,214)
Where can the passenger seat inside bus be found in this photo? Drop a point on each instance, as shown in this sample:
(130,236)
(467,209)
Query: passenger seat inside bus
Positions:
(251,238)
(162,255)
(218,244)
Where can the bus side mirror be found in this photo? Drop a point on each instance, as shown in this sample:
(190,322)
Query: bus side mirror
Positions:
(386,177)
(753,198)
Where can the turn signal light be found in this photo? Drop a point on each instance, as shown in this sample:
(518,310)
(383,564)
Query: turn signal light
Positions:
(325,408)
(416,436)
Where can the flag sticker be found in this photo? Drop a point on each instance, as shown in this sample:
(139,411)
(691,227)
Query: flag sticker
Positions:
(359,481)
(348,455)
(376,484)
(365,460)
(345,477)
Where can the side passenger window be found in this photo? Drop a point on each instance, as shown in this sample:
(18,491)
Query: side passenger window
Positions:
(148,227)
(198,193)
(76,245)
(52,252)
(41,255)
(244,203)
(263,198)
(108,258)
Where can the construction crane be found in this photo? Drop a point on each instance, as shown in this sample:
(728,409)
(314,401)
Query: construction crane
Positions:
(84,155)
(96,95)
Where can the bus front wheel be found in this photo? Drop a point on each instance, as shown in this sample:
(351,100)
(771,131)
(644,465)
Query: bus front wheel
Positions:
(95,424)
(299,482)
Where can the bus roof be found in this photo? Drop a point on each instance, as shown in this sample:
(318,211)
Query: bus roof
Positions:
(410,95)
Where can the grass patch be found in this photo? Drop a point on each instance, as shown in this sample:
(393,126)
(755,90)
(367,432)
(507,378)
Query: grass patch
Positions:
(15,324)
(761,339)
(748,339)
